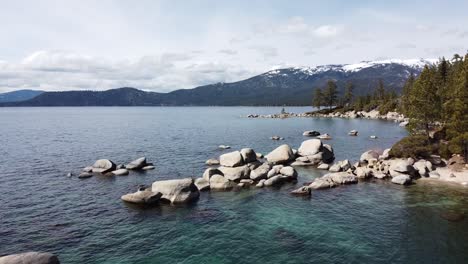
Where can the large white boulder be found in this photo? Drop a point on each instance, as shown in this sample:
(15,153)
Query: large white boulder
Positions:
(231,159)
(341,178)
(202,184)
(275,180)
(248,155)
(368,155)
(402,179)
(288,171)
(281,154)
(103,166)
(310,147)
(177,191)
(322,183)
(210,172)
(235,173)
(218,182)
(400,166)
(260,172)
(30,258)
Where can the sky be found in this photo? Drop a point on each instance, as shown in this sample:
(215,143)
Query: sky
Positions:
(167,45)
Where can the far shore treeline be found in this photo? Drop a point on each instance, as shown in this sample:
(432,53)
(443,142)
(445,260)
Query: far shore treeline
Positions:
(436,102)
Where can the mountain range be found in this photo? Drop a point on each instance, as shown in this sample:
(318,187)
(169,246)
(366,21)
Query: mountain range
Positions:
(287,86)
(20,95)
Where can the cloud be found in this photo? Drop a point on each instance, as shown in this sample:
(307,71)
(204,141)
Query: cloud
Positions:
(60,70)
(294,25)
(406,45)
(228,51)
(326,31)
(267,52)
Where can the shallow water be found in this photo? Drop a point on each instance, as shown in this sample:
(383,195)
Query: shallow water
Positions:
(84,221)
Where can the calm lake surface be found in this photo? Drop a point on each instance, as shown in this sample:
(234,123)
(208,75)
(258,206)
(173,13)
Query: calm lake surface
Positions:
(84,221)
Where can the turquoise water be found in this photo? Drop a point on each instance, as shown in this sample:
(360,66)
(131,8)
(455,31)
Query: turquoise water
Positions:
(84,221)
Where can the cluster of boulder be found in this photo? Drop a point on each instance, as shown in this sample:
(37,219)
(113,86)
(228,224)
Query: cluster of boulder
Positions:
(373,114)
(109,168)
(376,165)
(238,169)
(175,191)
(244,168)
(30,258)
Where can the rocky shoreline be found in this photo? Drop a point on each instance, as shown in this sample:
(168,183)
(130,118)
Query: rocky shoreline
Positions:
(373,114)
(248,169)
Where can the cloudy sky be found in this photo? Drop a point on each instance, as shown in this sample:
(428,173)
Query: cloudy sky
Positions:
(167,45)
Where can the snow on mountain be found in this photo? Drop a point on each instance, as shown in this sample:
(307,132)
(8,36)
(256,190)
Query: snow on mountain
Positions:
(349,68)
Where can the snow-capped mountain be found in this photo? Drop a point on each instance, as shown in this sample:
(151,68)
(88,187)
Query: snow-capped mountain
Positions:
(417,64)
(288,86)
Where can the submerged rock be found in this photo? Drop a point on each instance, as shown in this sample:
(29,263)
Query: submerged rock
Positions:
(401,179)
(177,191)
(30,258)
(85,175)
(218,182)
(236,173)
(120,172)
(224,147)
(148,167)
(302,191)
(311,133)
(275,180)
(142,197)
(136,164)
(212,162)
(323,166)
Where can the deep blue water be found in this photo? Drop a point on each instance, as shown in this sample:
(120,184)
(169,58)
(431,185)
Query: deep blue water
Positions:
(84,221)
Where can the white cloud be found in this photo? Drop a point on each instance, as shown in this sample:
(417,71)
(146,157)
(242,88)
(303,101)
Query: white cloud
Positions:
(294,25)
(326,31)
(60,70)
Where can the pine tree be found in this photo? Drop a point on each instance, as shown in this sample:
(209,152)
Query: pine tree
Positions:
(405,96)
(380,91)
(348,95)
(423,97)
(317,100)
(330,94)
(457,123)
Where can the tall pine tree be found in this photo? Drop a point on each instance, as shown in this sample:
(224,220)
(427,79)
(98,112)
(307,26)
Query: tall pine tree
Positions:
(317,100)
(330,94)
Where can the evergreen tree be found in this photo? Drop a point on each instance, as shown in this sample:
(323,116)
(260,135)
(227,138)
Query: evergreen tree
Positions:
(348,95)
(330,94)
(457,123)
(423,98)
(405,96)
(380,91)
(317,100)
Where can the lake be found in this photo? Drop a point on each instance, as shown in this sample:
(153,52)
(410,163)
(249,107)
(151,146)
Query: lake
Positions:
(84,220)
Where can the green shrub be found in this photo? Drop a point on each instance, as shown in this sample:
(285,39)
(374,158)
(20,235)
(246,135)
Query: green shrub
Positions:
(455,146)
(416,146)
